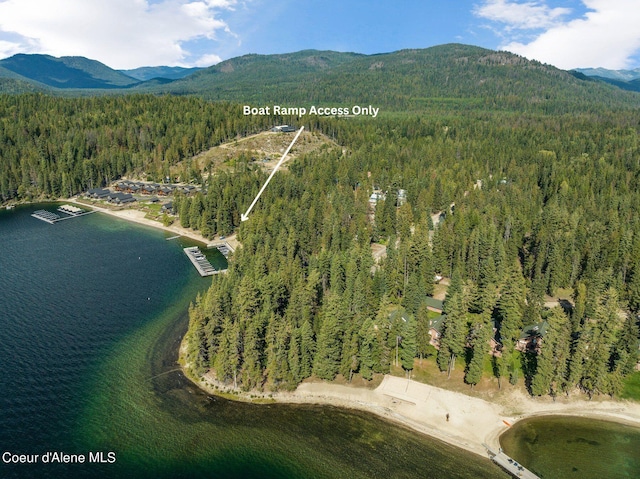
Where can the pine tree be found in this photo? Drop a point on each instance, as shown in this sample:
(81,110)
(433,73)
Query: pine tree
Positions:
(329,345)
(408,346)
(185,204)
(367,340)
(480,335)
(553,360)
(455,330)
(510,309)
(307,350)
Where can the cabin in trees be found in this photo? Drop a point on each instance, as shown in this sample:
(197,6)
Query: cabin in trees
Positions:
(402,197)
(434,304)
(167,207)
(530,339)
(435,330)
(376,196)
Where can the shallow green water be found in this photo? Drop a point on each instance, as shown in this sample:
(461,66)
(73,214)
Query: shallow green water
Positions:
(91,314)
(572,447)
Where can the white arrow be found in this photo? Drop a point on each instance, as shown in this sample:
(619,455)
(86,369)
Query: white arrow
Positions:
(245,216)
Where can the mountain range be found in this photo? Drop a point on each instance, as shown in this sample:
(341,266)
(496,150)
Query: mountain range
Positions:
(625,79)
(80,73)
(452,76)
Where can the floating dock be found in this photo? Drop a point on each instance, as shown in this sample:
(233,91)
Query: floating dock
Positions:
(509,465)
(224,249)
(47,216)
(222,246)
(70,211)
(201,262)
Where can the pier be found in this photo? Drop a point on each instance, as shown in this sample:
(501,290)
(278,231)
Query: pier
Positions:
(200,262)
(223,246)
(224,249)
(46,216)
(509,465)
(70,211)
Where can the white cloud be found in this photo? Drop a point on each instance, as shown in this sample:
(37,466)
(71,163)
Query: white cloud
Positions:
(608,35)
(119,33)
(527,15)
(207,60)
(9,48)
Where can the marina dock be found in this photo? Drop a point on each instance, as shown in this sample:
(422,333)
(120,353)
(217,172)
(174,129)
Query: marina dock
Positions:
(224,249)
(200,262)
(222,246)
(509,465)
(69,211)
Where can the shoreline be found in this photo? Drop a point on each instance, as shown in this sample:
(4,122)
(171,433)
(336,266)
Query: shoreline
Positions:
(459,420)
(137,216)
(423,408)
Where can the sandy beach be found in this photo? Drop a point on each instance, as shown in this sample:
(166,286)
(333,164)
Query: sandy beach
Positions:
(455,418)
(138,216)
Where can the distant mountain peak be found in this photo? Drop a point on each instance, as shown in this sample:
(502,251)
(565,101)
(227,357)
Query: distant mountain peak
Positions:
(66,72)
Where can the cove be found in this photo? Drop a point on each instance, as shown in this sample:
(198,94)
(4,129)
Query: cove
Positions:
(566,447)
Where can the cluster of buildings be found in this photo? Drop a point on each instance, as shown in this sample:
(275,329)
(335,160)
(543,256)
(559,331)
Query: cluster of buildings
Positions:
(143,188)
(124,191)
(378,195)
(110,196)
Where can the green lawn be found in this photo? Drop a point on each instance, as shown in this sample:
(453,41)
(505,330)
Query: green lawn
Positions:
(632,387)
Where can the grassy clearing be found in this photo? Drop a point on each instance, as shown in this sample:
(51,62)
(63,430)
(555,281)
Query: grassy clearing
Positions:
(632,387)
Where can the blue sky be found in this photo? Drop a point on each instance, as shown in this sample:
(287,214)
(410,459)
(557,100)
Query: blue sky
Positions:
(132,33)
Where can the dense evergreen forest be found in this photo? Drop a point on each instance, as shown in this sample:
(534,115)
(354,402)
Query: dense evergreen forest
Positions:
(557,207)
(54,147)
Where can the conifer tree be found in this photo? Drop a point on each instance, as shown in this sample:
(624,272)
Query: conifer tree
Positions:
(455,330)
(408,346)
(329,344)
(367,340)
(553,360)
(480,335)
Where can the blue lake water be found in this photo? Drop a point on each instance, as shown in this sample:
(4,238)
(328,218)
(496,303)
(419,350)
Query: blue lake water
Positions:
(92,311)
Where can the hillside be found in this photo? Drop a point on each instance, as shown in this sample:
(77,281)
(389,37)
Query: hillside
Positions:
(262,149)
(446,76)
(66,72)
(150,73)
(624,75)
(451,77)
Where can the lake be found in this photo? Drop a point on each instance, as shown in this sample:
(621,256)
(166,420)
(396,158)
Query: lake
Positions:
(92,311)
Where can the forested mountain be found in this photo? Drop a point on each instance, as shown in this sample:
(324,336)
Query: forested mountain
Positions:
(631,85)
(149,73)
(52,147)
(441,78)
(624,75)
(66,72)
